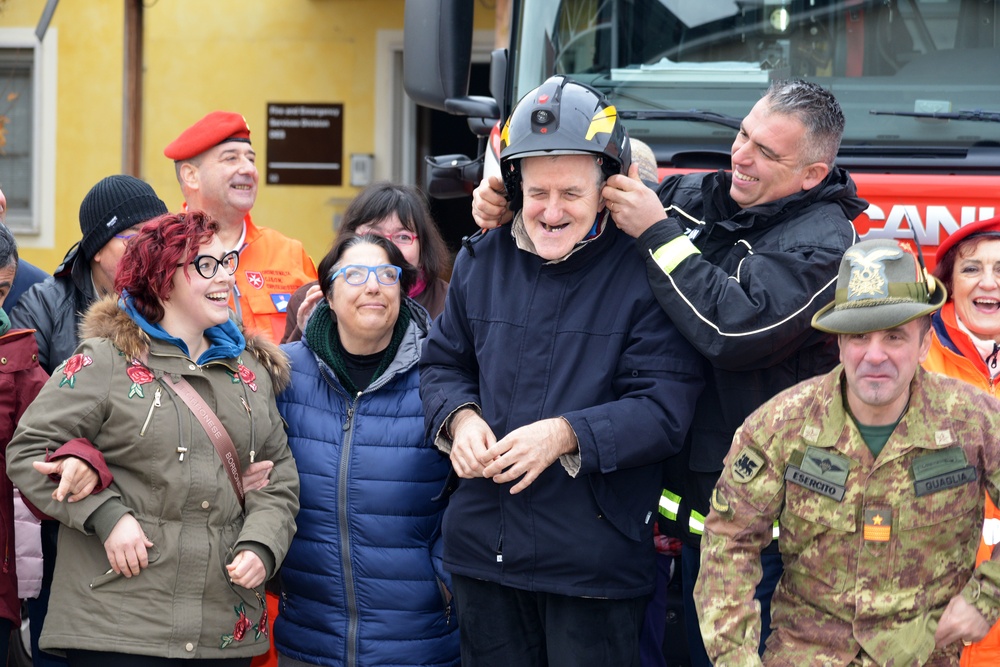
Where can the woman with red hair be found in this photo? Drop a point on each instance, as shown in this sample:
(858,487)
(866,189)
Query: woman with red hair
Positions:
(168,563)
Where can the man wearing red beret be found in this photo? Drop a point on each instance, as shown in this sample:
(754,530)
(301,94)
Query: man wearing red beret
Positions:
(217,173)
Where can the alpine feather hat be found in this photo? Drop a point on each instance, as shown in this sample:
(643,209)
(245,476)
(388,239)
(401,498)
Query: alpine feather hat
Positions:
(882,284)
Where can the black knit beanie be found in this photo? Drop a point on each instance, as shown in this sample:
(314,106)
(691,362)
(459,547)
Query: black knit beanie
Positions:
(112,206)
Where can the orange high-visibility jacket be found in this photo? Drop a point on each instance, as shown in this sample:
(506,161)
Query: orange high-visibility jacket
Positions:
(953,354)
(272,267)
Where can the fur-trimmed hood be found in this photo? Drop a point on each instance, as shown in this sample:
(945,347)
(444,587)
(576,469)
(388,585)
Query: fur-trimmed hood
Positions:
(105,319)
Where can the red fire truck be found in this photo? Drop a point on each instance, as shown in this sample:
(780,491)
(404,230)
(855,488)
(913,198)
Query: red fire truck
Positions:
(918,80)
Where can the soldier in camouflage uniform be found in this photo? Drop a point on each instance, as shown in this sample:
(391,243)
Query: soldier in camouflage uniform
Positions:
(875,472)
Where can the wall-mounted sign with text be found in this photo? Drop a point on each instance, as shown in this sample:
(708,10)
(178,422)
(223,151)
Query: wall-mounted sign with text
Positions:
(305,144)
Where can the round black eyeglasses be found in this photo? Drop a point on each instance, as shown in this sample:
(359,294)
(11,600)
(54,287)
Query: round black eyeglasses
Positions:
(207,266)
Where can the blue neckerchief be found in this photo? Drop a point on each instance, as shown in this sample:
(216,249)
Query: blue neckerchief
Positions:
(225,340)
(596,229)
(4,322)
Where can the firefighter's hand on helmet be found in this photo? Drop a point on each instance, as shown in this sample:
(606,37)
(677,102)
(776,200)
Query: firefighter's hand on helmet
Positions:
(489,204)
(634,206)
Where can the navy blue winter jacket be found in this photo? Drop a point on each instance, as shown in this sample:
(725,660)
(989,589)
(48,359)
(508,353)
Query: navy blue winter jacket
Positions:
(359,583)
(746,302)
(582,339)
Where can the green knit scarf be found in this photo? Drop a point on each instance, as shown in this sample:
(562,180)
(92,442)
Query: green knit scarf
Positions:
(4,322)
(323,339)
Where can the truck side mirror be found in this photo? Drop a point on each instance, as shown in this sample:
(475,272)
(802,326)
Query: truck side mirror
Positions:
(437,45)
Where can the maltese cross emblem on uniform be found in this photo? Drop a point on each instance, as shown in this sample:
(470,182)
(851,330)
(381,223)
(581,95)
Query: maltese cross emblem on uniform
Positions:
(256,279)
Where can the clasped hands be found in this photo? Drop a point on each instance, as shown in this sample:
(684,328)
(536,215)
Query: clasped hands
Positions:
(524,453)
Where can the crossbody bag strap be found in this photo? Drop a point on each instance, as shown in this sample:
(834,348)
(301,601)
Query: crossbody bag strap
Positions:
(216,432)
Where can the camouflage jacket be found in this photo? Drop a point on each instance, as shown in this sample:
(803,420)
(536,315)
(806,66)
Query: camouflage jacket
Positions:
(873,549)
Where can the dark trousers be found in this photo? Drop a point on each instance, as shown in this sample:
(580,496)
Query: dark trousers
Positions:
(690,564)
(5,629)
(507,627)
(106,659)
(38,607)
(651,649)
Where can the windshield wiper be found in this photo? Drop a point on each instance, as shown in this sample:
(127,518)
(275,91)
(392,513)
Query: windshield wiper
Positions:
(693,114)
(968,114)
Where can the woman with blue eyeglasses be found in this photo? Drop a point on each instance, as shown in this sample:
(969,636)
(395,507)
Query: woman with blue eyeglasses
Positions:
(362,583)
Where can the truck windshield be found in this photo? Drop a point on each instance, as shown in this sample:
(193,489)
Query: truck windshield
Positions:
(929,68)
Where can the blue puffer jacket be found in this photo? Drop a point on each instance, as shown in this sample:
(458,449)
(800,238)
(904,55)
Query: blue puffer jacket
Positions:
(362,583)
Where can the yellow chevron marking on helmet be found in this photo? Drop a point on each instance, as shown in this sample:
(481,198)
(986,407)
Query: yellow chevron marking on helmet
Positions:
(603,121)
(505,135)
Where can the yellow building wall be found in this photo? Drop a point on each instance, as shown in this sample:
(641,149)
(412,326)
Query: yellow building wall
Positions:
(203,55)
(88,110)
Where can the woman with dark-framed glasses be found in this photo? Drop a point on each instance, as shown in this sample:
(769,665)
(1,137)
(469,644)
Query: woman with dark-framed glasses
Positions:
(363,582)
(400,214)
(166,564)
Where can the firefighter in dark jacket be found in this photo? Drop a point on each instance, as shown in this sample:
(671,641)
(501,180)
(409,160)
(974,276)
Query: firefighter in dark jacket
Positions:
(740,261)
(558,386)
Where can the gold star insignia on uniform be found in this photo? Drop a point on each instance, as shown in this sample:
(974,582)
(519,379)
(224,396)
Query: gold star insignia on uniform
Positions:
(878,525)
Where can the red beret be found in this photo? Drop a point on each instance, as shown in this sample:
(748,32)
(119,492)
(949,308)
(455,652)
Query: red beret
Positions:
(991,226)
(212,130)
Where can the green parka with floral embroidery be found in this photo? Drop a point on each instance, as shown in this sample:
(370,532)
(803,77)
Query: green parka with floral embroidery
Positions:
(168,475)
